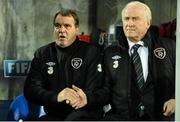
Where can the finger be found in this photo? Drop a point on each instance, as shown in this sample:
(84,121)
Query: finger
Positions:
(76,88)
(82,96)
(77,107)
(79,91)
(76,104)
(71,94)
(165,107)
(72,100)
(72,103)
(74,92)
(168,111)
(165,113)
(79,104)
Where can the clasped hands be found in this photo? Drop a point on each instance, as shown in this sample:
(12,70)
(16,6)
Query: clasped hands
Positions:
(73,96)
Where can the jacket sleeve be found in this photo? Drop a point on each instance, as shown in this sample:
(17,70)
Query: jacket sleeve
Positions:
(171,48)
(35,89)
(96,91)
(173,59)
(170,66)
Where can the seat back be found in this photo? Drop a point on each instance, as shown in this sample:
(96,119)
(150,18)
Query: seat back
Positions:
(20,108)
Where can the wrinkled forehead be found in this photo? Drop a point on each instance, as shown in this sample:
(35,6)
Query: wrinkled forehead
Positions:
(64,19)
(134,11)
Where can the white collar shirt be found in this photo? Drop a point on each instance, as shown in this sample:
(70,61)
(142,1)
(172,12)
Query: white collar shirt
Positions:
(143,53)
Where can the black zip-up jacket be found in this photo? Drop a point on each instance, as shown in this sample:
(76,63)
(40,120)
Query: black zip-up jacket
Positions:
(54,68)
(160,84)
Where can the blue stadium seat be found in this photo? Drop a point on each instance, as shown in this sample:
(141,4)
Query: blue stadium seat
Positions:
(21,109)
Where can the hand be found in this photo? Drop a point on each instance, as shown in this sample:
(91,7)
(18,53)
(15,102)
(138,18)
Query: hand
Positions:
(169,107)
(68,94)
(83,98)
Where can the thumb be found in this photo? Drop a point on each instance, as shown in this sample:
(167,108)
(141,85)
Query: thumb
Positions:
(76,88)
(164,106)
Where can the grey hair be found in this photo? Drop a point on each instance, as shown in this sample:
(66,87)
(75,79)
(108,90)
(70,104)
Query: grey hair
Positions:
(137,3)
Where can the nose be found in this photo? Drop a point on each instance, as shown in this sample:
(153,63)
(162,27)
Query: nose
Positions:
(130,22)
(61,29)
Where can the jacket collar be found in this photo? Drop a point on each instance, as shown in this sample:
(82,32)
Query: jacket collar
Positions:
(147,40)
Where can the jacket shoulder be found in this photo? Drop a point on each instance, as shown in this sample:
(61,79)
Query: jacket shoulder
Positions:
(167,43)
(44,50)
(113,49)
(89,47)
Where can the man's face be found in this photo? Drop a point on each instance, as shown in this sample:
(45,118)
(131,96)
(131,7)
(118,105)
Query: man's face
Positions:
(135,23)
(65,31)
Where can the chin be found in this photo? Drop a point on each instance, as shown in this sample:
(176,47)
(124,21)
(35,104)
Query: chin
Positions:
(131,35)
(59,43)
(62,45)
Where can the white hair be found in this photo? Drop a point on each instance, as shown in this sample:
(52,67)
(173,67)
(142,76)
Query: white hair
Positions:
(137,3)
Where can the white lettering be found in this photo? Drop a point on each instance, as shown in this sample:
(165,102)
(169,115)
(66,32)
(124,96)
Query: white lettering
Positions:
(24,67)
(11,67)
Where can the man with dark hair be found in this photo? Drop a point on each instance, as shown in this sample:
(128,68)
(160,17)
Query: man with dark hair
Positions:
(65,74)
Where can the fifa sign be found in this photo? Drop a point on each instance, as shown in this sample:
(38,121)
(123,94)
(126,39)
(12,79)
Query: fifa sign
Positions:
(14,68)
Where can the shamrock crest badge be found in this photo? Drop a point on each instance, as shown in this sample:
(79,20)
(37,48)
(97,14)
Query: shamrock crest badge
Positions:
(160,53)
(76,63)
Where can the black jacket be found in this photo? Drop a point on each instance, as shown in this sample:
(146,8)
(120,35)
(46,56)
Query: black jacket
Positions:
(160,84)
(79,64)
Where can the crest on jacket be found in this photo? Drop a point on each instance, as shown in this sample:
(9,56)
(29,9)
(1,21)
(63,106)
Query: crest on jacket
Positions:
(160,53)
(76,63)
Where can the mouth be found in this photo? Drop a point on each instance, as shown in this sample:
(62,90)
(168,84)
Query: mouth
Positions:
(62,36)
(130,29)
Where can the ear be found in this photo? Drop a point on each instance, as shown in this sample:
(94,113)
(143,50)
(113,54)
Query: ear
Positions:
(148,24)
(77,31)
